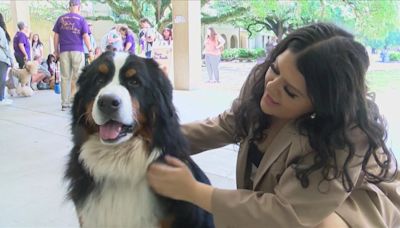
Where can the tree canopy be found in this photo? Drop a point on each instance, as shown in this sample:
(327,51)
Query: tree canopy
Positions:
(372,21)
(129,12)
(159,12)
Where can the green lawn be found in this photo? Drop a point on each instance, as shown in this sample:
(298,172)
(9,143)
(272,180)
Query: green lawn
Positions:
(381,80)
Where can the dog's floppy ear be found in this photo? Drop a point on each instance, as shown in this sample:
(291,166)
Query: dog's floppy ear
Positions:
(167,134)
(28,65)
(162,83)
(155,65)
(31,67)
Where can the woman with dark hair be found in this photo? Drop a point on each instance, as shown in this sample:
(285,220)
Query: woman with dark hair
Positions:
(45,76)
(163,51)
(167,37)
(312,143)
(37,46)
(6,60)
(50,64)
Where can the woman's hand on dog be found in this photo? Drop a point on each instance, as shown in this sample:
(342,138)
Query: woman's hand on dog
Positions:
(172,179)
(175,180)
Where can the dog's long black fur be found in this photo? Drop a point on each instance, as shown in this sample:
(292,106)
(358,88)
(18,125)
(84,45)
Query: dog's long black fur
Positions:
(155,97)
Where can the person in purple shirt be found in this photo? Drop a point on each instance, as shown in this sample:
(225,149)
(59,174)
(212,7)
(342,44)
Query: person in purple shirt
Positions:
(22,48)
(70,32)
(129,40)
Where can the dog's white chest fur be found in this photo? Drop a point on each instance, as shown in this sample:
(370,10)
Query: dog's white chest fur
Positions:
(123,198)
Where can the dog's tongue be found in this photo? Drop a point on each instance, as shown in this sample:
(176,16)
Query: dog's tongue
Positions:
(110,130)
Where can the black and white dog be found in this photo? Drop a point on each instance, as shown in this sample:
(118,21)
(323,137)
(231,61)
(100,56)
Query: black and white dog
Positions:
(123,120)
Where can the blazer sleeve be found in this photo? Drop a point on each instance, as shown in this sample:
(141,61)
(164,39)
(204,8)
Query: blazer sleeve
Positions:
(289,205)
(210,133)
(218,131)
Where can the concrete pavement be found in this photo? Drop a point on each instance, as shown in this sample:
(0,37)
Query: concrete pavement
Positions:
(34,144)
(35,140)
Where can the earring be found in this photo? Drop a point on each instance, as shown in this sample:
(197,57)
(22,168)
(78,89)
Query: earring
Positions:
(313,115)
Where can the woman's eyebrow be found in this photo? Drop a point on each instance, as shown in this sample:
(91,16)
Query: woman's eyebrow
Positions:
(276,66)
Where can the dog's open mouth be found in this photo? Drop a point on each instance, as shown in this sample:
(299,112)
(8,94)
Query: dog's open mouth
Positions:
(113,130)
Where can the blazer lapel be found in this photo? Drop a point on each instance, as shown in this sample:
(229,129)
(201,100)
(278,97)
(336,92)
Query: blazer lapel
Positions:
(281,141)
(242,181)
(242,165)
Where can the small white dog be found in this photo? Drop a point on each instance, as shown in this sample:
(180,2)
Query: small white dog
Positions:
(19,80)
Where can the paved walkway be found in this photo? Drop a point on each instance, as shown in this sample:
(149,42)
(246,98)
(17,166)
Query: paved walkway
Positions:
(35,141)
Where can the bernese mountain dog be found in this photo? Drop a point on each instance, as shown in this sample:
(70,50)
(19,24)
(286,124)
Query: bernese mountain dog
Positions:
(123,119)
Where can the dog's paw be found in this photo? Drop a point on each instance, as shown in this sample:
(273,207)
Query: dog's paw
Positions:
(12,92)
(25,91)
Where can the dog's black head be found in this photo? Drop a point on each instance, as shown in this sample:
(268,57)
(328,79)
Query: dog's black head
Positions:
(123,96)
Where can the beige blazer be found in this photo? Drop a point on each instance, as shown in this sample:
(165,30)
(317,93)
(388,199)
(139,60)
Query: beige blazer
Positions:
(276,198)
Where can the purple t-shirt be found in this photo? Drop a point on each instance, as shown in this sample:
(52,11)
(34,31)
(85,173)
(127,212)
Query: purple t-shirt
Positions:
(20,37)
(129,38)
(70,28)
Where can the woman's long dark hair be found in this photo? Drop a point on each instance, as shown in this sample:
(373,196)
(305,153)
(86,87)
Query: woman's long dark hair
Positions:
(3,26)
(38,40)
(334,66)
(50,59)
(169,38)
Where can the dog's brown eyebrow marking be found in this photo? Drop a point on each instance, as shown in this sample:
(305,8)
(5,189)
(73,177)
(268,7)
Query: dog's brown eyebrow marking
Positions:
(103,68)
(130,73)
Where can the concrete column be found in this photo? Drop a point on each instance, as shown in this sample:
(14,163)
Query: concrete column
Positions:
(19,12)
(187,43)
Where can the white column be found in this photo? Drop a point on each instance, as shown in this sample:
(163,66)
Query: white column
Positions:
(187,43)
(19,12)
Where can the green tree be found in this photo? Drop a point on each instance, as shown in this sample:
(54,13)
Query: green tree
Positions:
(371,20)
(48,10)
(222,11)
(374,19)
(257,15)
(129,12)
(159,12)
(5,10)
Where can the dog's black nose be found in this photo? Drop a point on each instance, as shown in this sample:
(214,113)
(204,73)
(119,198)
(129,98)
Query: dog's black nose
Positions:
(109,103)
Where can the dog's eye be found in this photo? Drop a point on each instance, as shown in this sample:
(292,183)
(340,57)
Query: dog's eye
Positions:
(133,83)
(100,81)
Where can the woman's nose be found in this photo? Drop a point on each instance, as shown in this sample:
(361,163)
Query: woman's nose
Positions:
(273,84)
(273,79)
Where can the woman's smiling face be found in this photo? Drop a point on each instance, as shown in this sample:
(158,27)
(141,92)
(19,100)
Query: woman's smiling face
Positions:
(285,94)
